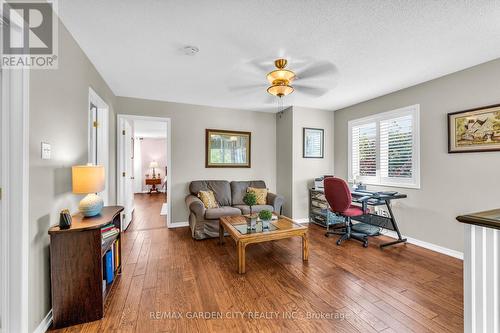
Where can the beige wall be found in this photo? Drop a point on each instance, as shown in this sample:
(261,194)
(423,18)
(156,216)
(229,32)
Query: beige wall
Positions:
(306,169)
(284,158)
(188,124)
(452,184)
(58,115)
(295,174)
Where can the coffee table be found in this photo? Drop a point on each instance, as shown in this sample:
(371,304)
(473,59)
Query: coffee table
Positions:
(281,228)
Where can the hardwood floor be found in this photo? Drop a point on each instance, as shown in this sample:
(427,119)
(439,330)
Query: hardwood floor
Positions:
(166,273)
(146,216)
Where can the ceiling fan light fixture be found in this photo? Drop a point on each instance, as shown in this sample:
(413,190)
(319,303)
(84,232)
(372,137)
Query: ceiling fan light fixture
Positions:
(280,90)
(279,75)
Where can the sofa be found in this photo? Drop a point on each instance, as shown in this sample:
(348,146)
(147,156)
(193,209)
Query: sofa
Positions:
(204,223)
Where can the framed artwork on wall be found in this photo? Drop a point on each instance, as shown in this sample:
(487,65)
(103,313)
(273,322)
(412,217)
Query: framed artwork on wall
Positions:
(227,149)
(474,130)
(313,142)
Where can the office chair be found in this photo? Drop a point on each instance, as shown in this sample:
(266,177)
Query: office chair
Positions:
(338,195)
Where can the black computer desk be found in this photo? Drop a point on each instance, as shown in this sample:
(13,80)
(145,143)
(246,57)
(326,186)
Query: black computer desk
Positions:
(386,222)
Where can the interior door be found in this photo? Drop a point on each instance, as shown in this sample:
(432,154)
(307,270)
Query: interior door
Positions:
(127,172)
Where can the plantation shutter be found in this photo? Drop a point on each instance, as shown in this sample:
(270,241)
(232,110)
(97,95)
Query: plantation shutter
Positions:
(364,150)
(396,148)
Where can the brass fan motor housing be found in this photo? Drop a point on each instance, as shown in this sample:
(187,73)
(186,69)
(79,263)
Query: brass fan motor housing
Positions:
(280,79)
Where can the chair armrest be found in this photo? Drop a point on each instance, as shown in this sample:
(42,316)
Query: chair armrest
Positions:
(196,206)
(276,201)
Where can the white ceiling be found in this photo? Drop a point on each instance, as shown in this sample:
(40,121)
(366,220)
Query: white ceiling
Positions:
(150,129)
(377,46)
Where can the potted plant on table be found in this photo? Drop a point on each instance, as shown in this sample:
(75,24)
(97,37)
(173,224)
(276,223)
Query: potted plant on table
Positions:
(266,216)
(250,199)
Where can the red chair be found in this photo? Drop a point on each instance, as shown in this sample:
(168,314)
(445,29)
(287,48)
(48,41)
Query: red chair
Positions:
(339,198)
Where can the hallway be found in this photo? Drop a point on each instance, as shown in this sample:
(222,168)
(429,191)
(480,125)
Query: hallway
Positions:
(147,212)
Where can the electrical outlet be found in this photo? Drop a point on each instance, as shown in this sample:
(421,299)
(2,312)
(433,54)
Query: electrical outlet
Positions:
(46,151)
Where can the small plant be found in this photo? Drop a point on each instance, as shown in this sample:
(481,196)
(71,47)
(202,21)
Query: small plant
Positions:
(250,199)
(265,215)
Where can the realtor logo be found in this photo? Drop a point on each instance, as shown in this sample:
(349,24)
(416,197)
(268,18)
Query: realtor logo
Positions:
(29,34)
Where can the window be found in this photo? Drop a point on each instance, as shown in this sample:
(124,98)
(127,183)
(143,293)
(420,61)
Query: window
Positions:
(384,149)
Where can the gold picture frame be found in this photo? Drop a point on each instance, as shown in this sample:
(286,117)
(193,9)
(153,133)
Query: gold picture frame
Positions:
(227,149)
(474,130)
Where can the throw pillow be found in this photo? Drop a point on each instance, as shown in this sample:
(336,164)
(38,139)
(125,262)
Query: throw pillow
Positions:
(260,193)
(208,199)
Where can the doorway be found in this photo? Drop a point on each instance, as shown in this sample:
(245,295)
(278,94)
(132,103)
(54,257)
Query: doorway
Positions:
(98,134)
(144,159)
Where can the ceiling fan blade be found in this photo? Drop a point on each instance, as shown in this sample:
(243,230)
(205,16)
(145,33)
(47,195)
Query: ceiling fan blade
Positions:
(317,70)
(308,90)
(261,65)
(246,88)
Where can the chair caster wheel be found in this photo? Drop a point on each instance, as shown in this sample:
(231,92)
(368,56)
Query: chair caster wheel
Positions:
(327,235)
(365,244)
(338,243)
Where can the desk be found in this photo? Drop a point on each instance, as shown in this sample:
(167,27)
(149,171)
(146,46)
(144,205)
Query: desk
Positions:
(318,209)
(153,182)
(386,222)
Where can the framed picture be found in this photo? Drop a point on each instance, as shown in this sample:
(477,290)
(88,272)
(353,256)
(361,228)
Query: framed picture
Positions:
(474,130)
(227,149)
(313,142)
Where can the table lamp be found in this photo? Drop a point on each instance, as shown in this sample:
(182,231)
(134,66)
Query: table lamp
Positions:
(153,165)
(89,179)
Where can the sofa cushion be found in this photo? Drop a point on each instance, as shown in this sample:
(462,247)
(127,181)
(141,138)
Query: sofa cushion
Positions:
(208,199)
(257,208)
(260,193)
(217,213)
(239,189)
(221,189)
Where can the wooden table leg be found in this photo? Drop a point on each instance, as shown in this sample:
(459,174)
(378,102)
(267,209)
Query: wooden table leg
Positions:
(305,246)
(241,257)
(221,233)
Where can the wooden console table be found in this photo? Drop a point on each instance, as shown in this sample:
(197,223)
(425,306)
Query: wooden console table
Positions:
(153,182)
(76,267)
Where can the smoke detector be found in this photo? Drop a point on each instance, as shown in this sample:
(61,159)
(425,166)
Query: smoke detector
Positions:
(190,50)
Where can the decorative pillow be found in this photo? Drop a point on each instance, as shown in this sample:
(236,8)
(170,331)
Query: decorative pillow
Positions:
(260,193)
(208,199)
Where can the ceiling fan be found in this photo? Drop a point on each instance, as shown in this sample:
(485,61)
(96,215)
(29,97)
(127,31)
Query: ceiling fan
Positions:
(312,78)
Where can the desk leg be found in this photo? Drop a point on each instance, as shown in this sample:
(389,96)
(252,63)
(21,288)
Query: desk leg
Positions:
(241,257)
(395,226)
(221,233)
(305,246)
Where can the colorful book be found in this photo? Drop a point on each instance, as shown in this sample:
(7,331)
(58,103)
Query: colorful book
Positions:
(109,267)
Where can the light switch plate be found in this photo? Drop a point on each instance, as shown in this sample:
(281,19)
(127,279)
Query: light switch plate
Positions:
(46,151)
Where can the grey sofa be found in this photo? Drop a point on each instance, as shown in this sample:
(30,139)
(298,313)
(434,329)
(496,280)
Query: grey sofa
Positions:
(204,223)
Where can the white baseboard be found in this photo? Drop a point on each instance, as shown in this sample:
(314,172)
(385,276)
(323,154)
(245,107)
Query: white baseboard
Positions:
(164,209)
(178,225)
(302,221)
(44,324)
(429,246)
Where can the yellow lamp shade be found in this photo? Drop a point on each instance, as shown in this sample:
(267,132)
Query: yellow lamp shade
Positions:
(88,179)
(153,164)
(280,75)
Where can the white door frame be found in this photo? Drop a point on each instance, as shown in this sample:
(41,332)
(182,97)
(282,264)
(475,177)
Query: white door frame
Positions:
(119,159)
(102,138)
(15,199)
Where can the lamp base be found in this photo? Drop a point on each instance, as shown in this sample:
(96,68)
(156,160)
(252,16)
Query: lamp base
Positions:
(91,205)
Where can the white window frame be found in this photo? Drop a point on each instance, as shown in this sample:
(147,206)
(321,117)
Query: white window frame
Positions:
(414,111)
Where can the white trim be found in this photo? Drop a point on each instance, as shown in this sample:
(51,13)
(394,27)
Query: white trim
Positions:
(119,163)
(178,225)
(15,201)
(427,245)
(304,220)
(102,138)
(44,324)
(414,111)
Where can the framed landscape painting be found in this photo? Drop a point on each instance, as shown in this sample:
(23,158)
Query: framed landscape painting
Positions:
(474,130)
(227,149)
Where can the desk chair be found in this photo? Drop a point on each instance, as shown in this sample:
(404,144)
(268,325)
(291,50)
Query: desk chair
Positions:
(338,195)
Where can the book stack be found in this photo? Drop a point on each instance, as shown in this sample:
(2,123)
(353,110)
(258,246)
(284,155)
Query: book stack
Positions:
(108,232)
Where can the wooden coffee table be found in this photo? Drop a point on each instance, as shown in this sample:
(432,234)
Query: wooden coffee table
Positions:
(281,228)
